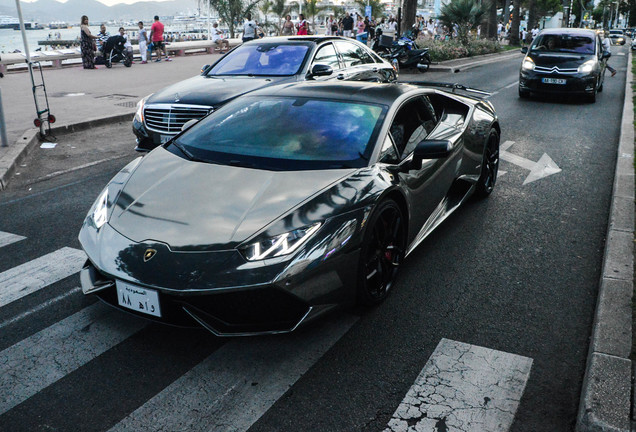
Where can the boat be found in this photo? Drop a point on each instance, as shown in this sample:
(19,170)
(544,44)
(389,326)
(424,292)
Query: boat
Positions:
(57,25)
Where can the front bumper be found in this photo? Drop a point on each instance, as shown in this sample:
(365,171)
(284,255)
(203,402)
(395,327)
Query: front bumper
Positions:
(146,139)
(531,81)
(219,290)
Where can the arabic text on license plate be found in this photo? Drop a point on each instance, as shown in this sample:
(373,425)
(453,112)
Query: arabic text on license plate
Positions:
(165,138)
(553,80)
(140,299)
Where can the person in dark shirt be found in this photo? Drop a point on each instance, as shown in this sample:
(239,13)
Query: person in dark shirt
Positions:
(347,26)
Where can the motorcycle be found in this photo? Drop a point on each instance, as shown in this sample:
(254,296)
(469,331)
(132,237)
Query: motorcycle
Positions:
(405,54)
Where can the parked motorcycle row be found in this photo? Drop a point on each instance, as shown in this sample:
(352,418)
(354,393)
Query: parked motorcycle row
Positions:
(402,53)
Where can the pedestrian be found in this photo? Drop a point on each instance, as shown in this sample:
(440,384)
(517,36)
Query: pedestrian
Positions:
(288,27)
(347,26)
(127,44)
(102,37)
(607,52)
(156,37)
(303,27)
(249,29)
(87,44)
(330,26)
(143,43)
(535,31)
(217,38)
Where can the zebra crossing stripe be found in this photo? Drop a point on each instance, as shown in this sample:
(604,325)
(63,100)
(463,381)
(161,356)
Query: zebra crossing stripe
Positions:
(39,273)
(235,386)
(40,360)
(8,238)
(464,388)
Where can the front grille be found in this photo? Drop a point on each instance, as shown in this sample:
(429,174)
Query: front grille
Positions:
(169,119)
(554,70)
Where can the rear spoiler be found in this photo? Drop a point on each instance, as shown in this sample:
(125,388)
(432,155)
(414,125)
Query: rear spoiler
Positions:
(452,86)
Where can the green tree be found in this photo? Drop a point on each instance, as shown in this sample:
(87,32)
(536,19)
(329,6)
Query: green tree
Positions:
(281,9)
(311,8)
(232,12)
(464,15)
(377,7)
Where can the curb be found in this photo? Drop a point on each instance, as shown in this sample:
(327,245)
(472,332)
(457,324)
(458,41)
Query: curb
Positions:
(486,58)
(18,151)
(606,393)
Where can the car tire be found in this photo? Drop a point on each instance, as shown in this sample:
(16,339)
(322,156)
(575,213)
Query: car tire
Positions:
(489,166)
(523,94)
(383,249)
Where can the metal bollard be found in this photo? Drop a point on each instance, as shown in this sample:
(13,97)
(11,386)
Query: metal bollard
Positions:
(3,126)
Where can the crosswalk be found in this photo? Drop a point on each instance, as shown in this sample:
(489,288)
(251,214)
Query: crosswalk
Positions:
(234,385)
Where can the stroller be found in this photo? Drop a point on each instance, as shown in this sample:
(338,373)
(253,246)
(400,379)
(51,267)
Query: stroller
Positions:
(115,52)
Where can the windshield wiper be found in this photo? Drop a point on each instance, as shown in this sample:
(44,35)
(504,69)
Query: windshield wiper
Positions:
(183,150)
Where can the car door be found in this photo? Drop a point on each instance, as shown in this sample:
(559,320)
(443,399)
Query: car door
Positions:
(358,64)
(413,122)
(327,55)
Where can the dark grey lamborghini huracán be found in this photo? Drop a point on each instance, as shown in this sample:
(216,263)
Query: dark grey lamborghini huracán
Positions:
(286,203)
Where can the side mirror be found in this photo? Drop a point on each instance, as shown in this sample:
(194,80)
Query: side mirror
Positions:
(187,125)
(321,70)
(204,68)
(430,149)
(524,50)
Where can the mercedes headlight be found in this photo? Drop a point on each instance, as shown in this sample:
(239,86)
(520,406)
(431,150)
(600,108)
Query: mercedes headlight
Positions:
(528,64)
(279,245)
(100,214)
(139,115)
(586,67)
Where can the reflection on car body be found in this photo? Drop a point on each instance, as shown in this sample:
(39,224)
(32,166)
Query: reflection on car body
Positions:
(563,61)
(286,203)
(250,66)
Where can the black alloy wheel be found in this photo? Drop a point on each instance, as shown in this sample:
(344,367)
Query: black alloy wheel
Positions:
(383,250)
(489,166)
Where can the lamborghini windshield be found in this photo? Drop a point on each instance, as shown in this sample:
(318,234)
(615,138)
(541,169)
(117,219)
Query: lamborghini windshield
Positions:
(285,134)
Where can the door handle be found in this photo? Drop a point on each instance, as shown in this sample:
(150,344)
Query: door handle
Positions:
(340,76)
(375,69)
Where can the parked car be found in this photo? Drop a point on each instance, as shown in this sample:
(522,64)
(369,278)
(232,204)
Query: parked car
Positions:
(617,37)
(563,61)
(286,203)
(250,66)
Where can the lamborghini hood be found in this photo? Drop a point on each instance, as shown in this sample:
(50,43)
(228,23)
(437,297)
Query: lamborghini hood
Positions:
(199,206)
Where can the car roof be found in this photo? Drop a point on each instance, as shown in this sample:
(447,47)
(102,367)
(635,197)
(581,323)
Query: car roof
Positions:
(351,91)
(291,39)
(570,31)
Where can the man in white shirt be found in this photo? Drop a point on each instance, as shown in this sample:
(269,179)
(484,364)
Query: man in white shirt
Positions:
(217,38)
(607,52)
(249,29)
(143,43)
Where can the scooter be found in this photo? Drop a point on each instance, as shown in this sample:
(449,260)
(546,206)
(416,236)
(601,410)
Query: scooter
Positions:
(404,54)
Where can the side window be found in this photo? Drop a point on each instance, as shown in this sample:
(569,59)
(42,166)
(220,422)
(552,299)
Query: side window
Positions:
(353,55)
(327,55)
(389,154)
(412,124)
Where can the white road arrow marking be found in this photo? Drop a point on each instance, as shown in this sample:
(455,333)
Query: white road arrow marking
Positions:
(543,168)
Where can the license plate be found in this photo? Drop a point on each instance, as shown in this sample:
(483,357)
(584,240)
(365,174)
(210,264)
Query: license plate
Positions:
(165,138)
(553,80)
(139,299)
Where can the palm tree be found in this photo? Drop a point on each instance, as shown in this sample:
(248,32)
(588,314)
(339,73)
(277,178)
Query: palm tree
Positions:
(265,8)
(513,36)
(311,9)
(464,15)
(281,10)
(377,7)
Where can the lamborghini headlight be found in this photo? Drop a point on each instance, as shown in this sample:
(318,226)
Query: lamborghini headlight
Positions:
(586,67)
(100,214)
(528,64)
(279,245)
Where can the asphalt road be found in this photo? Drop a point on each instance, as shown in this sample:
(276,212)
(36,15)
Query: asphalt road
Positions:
(516,273)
